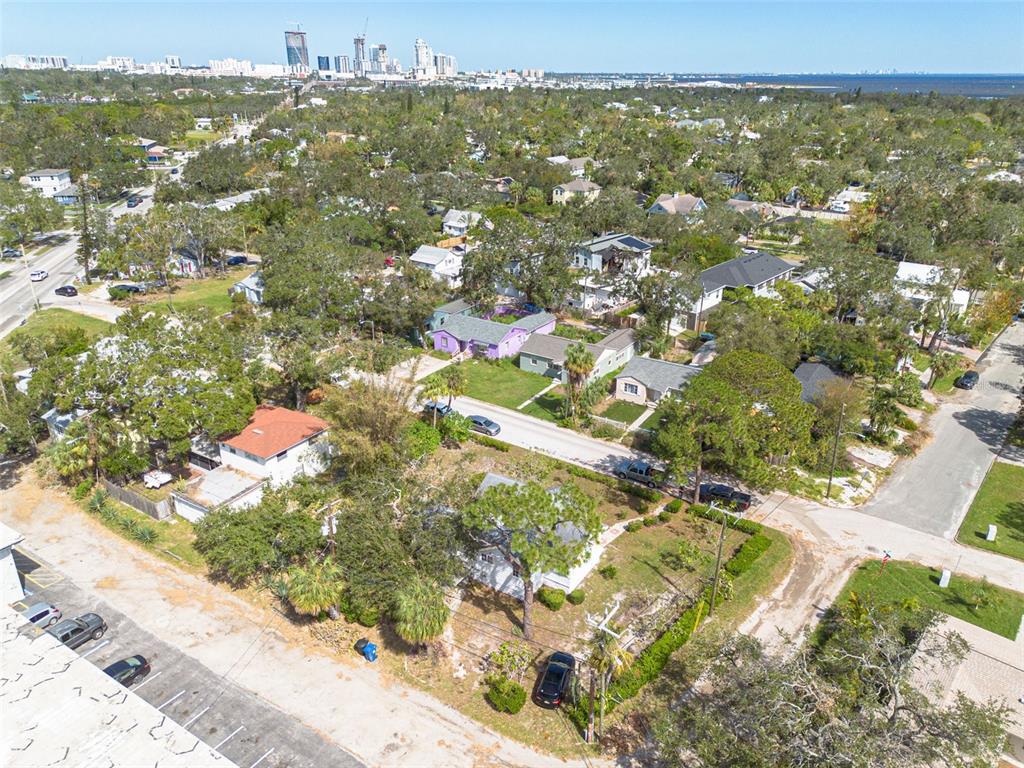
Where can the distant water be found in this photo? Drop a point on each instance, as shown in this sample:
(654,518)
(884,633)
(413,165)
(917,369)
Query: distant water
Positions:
(977,86)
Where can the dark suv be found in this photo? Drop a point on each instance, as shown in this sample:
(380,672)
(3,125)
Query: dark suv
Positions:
(77,632)
(723,494)
(554,683)
(967,380)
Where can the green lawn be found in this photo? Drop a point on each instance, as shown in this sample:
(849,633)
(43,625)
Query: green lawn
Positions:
(46,320)
(548,406)
(211,292)
(502,383)
(990,607)
(624,412)
(1000,500)
(202,135)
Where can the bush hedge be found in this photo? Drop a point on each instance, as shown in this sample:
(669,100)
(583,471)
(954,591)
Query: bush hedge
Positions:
(490,442)
(608,571)
(505,695)
(650,662)
(576,597)
(650,520)
(643,492)
(634,525)
(674,506)
(664,516)
(748,527)
(551,598)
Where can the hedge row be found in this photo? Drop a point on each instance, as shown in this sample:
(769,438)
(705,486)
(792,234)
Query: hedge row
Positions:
(648,494)
(748,527)
(490,442)
(652,660)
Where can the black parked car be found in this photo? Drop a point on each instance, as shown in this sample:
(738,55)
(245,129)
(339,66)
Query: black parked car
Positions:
(967,380)
(66,290)
(485,425)
(723,494)
(553,684)
(234,261)
(76,632)
(127,288)
(128,671)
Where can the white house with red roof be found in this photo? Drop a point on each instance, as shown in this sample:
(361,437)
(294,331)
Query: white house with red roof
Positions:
(276,446)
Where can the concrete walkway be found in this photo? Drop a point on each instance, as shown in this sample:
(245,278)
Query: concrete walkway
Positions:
(544,391)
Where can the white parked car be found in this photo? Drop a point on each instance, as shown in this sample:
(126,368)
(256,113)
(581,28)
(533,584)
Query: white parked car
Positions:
(840,206)
(38,275)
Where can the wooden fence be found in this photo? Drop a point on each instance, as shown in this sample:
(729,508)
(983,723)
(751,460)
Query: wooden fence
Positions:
(158,510)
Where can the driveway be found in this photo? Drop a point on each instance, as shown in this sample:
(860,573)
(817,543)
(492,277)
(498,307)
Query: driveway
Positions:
(543,436)
(933,492)
(240,725)
(346,701)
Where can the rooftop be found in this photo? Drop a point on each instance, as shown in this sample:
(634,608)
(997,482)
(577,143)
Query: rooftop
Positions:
(618,240)
(677,203)
(813,378)
(219,485)
(273,429)
(48,172)
(61,710)
(748,270)
(659,375)
(430,254)
(578,185)
(469,328)
(455,307)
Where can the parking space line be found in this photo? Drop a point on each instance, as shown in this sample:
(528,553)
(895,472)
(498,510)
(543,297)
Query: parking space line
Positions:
(227,738)
(265,755)
(195,717)
(173,698)
(151,677)
(95,648)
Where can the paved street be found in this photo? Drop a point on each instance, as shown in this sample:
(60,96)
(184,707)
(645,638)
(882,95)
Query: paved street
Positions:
(932,492)
(239,724)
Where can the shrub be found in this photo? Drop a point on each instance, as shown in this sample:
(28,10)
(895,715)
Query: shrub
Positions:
(505,695)
(98,501)
(490,442)
(118,294)
(551,598)
(421,439)
(664,516)
(744,526)
(674,506)
(752,549)
(81,490)
(356,612)
(145,534)
(608,571)
(576,597)
(650,520)
(649,494)
(606,432)
(634,525)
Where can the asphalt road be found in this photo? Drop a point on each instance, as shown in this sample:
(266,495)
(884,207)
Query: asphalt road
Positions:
(933,492)
(239,724)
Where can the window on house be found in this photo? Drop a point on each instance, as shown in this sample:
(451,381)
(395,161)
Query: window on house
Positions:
(631,389)
(281,455)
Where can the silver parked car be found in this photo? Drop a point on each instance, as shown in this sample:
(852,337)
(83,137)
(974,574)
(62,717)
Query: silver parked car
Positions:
(42,614)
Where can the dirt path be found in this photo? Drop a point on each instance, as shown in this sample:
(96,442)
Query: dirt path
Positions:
(378,719)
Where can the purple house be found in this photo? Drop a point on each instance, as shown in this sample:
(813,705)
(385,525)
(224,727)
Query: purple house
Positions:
(463,333)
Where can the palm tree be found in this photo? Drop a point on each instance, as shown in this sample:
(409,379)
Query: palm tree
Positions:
(419,611)
(456,381)
(608,659)
(434,388)
(579,362)
(316,588)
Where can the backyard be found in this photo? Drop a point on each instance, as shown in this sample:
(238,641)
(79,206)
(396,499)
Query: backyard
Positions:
(986,605)
(501,382)
(209,292)
(999,502)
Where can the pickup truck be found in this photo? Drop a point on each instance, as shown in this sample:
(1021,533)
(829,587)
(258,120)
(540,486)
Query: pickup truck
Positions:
(641,472)
(724,494)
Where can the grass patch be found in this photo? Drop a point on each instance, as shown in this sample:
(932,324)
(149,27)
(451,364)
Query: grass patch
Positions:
(502,383)
(578,334)
(1000,501)
(944,384)
(623,412)
(174,535)
(46,320)
(548,406)
(210,292)
(204,136)
(985,605)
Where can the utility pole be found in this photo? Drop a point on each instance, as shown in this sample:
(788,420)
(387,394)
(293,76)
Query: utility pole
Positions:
(718,559)
(601,625)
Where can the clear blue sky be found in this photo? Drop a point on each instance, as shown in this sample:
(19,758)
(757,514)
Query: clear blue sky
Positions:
(633,35)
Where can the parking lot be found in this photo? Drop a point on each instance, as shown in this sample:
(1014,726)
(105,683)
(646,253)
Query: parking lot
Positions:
(237,723)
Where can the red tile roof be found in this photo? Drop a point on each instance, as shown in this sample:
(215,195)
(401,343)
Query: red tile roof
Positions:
(272,430)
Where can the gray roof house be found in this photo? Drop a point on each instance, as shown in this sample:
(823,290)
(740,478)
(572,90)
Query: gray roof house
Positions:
(646,381)
(814,379)
(251,286)
(757,271)
(443,312)
(563,193)
(545,354)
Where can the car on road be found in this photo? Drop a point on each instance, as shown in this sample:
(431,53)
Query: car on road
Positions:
(128,671)
(42,614)
(724,494)
(128,288)
(11,253)
(78,631)
(174,171)
(234,261)
(66,290)
(38,275)
(133,201)
(441,409)
(640,472)
(484,425)
(553,684)
(966,380)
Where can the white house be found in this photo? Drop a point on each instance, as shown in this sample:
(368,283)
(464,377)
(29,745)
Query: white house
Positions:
(457,223)
(646,381)
(681,204)
(276,446)
(602,260)
(251,286)
(10,583)
(204,123)
(759,271)
(492,568)
(914,282)
(443,264)
(583,188)
(47,181)
(57,423)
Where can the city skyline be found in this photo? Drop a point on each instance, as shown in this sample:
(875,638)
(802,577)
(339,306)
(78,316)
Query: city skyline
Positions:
(975,37)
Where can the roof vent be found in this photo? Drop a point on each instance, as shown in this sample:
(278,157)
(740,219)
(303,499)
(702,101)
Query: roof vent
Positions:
(257,431)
